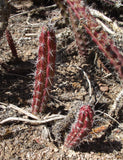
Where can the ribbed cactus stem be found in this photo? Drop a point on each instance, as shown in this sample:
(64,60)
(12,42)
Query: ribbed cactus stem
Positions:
(81,127)
(82,39)
(78,11)
(11,43)
(45,69)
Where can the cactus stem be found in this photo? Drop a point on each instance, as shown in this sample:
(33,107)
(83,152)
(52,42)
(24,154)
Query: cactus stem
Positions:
(81,127)
(45,69)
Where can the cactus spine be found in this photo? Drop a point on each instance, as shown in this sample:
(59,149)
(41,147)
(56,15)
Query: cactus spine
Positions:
(81,127)
(44,69)
(78,11)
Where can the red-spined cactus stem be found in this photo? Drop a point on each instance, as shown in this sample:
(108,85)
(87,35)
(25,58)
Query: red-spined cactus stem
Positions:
(81,127)
(45,69)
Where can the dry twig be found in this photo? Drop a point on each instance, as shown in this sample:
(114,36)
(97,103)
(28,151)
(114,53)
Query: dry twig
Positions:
(37,120)
(111,118)
(32,122)
(112,24)
(115,107)
(19,110)
(23,111)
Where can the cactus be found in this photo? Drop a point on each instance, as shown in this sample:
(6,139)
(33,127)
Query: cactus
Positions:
(44,69)
(81,127)
(82,39)
(80,16)
(11,43)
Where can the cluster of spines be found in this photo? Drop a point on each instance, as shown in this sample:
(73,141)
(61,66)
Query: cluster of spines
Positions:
(78,10)
(11,43)
(81,127)
(45,68)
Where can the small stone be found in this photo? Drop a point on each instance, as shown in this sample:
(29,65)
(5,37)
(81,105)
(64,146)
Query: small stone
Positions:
(103,88)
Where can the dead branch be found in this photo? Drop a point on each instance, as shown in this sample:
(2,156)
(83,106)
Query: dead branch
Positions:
(32,122)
